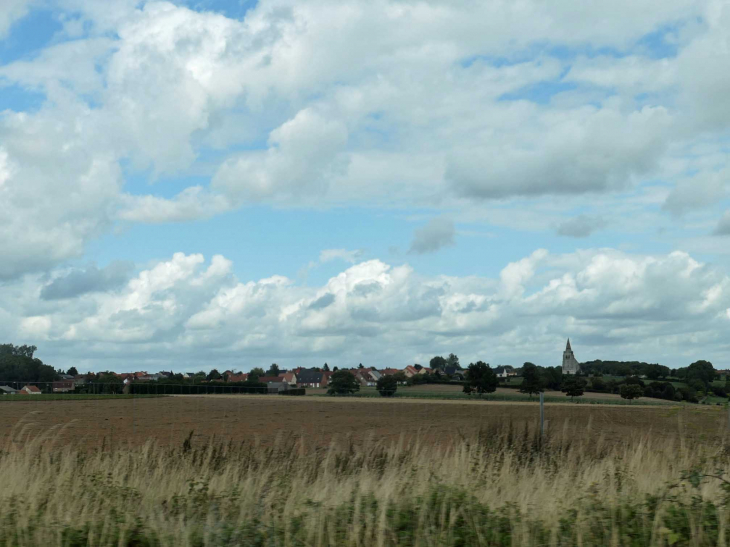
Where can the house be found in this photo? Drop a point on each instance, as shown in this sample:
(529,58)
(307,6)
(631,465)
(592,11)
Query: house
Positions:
(288,377)
(410,371)
(363,377)
(65,377)
(238,377)
(309,378)
(326,378)
(505,371)
(389,371)
(425,370)
(7,390)
(81,380)
(30,390)
(63,386)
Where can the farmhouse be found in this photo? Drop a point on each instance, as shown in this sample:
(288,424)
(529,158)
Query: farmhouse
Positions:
(6,390)
(30,390)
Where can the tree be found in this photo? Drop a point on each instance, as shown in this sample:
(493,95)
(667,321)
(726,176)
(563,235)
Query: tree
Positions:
(702,371)
(467,389)
(400,377)
(631,391)
(109,383)
(72,371)
(214,375)
(598,384)
(255,374)
(387,386)
(326,367)
(482,378)
(360,366)
(438,363)
(334,369)
(573,386)
(453,361)
(532,381)
(273,370)
(342,382)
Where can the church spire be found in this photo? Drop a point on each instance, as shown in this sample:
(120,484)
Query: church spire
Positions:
(568,348)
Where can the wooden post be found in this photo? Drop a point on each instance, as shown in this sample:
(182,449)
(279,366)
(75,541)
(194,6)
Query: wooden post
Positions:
(542,414)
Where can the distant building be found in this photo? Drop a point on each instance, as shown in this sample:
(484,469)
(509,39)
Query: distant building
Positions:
(7,390)
(570,364)
(64,386)
(30,390)
(505,371)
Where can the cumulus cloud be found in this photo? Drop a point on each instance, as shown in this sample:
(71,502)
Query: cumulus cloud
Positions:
(668,308)
(580,226)
(437,234)
(77,282)
(454,110)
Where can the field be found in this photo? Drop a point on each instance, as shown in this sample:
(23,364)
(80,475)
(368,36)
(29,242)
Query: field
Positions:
(320,420)
(273,470)
(450,391)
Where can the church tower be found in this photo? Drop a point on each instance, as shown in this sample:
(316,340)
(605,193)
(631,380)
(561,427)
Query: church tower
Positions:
(570,363)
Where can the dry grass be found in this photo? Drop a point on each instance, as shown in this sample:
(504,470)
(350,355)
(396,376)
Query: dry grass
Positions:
(498,486)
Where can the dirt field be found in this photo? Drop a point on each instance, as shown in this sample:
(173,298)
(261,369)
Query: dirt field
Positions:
(169,420)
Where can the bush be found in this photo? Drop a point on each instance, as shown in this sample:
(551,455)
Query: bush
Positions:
(342,382)
(387,386)
(631,391)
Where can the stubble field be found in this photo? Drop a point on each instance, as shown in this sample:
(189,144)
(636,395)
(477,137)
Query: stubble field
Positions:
(318,421)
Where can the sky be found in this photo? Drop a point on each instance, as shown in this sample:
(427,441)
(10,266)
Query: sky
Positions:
(223,183)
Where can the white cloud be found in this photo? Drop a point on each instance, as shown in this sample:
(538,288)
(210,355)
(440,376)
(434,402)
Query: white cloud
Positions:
(321,103)
(12,10)
(328,255)
(612,304)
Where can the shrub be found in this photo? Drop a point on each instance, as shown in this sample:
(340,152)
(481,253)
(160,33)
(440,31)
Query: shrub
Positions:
(387,386)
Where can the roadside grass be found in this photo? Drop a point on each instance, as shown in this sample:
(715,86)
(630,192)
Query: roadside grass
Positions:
(501,486)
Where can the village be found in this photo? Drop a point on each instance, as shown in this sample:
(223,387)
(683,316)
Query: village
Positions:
(275,380)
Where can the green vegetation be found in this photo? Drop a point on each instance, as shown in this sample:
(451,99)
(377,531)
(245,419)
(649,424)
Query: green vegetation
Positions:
(499,487)
(387,385)
(342,382)
(480,378)
(17,364)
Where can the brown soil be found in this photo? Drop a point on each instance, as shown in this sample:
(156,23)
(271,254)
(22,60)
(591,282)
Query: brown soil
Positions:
(169,420)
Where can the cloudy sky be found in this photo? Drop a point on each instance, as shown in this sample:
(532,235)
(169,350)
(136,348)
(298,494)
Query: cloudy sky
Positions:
(229,183)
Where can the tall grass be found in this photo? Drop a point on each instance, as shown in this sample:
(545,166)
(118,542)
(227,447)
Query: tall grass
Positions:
(497,487)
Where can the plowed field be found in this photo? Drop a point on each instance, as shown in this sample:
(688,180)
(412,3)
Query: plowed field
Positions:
(169,420)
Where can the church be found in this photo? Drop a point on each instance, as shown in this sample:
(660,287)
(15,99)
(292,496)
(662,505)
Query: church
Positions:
(570,363)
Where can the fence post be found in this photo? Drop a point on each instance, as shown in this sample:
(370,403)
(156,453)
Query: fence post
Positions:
(542,414)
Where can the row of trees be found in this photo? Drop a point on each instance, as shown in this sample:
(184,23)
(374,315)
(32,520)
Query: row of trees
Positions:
(18,364)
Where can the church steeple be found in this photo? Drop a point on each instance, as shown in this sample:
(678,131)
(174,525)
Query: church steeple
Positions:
(568,348)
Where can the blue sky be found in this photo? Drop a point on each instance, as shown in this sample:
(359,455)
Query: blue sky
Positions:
(459,179)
